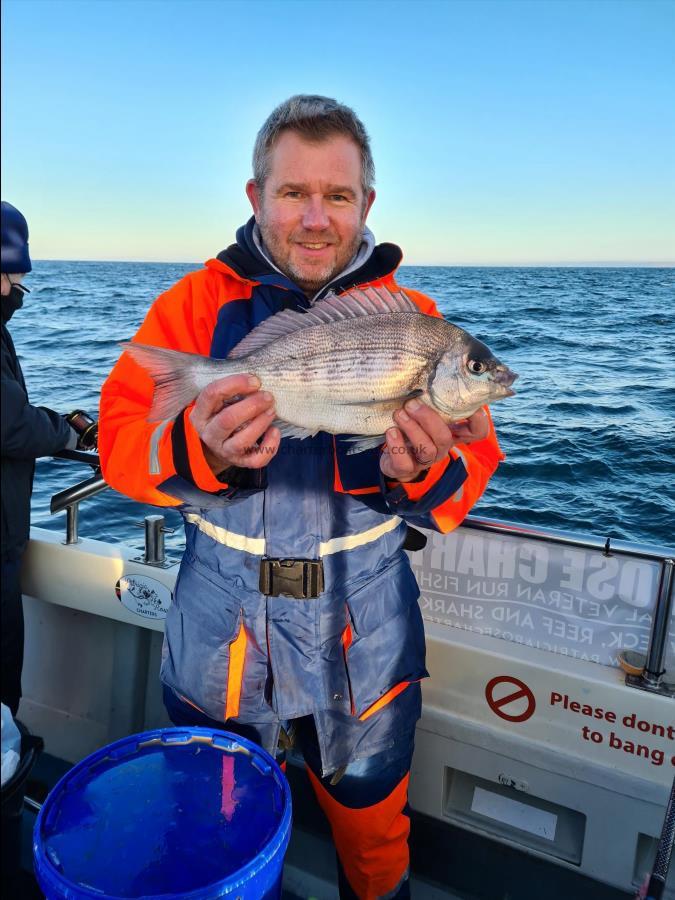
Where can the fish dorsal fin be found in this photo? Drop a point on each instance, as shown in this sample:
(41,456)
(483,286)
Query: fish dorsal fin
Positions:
(353,304)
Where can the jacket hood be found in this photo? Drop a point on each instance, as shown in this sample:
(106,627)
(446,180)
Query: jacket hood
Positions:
(246,259)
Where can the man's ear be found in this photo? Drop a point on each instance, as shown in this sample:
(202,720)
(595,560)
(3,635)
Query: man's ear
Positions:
(253,195)
(370,199)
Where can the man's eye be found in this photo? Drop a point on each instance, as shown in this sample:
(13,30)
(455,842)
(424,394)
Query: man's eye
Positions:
(293,195)
(338,198)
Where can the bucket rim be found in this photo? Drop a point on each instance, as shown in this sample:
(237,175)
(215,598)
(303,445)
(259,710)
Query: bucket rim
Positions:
(47,872)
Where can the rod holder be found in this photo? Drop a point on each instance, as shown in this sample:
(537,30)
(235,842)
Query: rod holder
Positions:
(72,518)
(656,655)
(154,553)
(652,677)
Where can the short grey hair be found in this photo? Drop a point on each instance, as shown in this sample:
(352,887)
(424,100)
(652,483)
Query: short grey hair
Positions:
(314,118)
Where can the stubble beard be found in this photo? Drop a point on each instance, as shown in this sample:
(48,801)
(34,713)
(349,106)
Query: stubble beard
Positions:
(278,249)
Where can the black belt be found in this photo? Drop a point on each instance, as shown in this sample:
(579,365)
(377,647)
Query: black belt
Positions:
(301,579)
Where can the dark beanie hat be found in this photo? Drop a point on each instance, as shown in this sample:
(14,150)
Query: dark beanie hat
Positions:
(15,257)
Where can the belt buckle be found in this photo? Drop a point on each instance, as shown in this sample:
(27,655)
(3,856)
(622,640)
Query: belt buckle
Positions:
(301,579)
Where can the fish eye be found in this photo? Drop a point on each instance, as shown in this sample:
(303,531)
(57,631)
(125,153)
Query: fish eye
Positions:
(476,366)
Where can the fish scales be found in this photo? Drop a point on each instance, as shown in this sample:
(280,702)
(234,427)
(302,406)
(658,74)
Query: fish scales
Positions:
(380,358)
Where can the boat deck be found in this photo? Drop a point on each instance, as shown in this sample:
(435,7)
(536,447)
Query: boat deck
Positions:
(501,812)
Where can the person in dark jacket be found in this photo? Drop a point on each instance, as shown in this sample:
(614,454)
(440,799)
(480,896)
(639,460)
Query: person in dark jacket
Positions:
(27,432)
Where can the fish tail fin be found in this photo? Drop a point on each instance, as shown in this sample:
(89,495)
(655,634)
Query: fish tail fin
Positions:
(175,375)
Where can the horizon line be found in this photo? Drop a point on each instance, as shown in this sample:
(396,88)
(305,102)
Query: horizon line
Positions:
(562,264)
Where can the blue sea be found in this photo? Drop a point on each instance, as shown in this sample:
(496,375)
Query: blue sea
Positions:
(589,438)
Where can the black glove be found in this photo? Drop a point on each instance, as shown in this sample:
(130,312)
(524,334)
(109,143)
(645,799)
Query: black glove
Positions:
(86,428)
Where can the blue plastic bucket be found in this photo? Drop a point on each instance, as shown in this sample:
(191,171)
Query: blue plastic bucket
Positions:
(177,812)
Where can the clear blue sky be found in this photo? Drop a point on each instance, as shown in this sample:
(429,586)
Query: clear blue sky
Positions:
(504,132)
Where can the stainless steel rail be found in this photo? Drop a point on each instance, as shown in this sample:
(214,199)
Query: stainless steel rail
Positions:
(607,545)
(651,666)
(70,498)
(77,493)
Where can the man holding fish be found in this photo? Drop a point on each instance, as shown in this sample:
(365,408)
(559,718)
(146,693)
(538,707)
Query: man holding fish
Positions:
(300,409)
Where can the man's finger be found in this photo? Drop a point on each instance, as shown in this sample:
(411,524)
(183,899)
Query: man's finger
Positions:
(431,424)
(228,420)
(462,434)
(244,440)
(475,428)
(263,452)
(423,447)
(215,395)
(397,461)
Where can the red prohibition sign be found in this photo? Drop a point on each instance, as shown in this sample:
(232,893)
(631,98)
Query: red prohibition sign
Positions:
(521,692)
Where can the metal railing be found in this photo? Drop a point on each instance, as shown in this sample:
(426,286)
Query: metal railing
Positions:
(70,499)
(643,671)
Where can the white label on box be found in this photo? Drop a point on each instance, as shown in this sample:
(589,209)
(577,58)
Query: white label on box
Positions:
(511,812)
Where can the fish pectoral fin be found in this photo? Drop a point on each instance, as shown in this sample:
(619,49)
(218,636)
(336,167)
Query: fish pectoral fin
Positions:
(389,401)
(293,431)
(359,443)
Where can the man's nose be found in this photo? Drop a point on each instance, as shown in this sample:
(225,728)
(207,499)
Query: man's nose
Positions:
(315,217)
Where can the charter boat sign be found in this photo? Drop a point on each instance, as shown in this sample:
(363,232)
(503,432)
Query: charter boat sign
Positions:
(577,602)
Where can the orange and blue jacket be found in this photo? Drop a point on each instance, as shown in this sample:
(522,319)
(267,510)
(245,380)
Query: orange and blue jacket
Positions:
(230,650)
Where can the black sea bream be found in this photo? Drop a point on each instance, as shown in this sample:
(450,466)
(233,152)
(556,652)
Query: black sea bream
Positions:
(342,366)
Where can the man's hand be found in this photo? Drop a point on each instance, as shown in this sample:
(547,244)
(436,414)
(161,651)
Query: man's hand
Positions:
(423,438)
(230,416)
(475,428)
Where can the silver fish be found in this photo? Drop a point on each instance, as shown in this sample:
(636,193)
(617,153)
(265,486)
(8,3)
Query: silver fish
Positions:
(343,366)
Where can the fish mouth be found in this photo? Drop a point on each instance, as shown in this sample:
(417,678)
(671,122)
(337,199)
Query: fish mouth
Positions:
(504,377)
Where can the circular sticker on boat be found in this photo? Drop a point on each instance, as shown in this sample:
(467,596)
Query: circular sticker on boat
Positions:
(513,705)
(144,596)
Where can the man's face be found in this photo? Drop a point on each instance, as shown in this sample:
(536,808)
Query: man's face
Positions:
(312,209)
